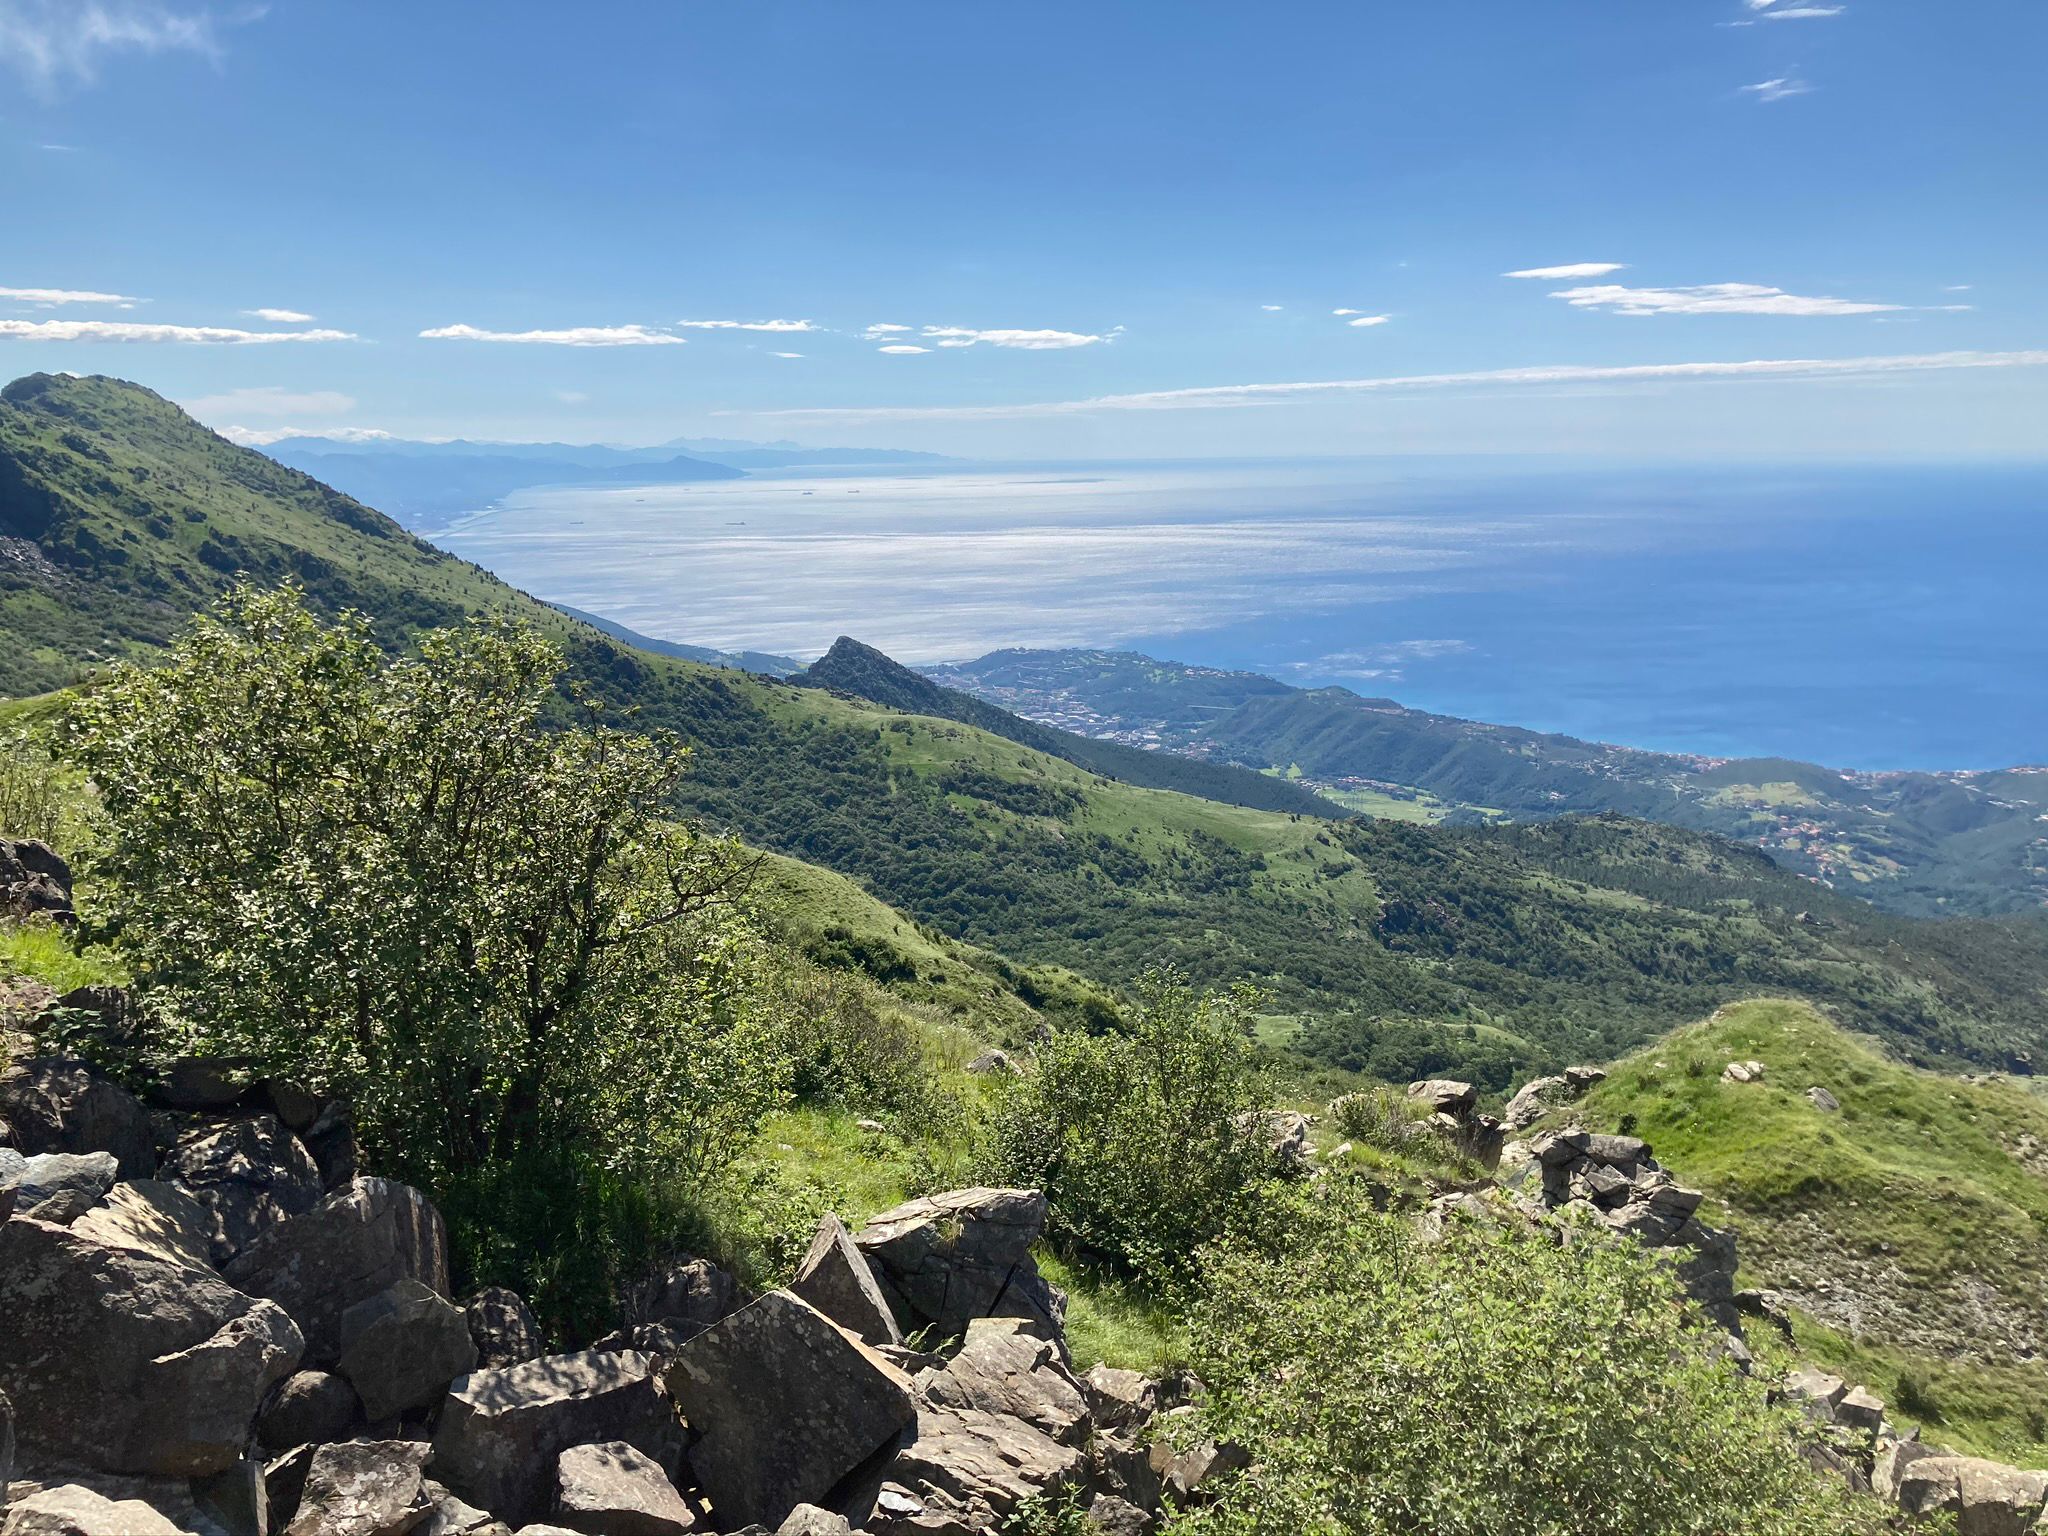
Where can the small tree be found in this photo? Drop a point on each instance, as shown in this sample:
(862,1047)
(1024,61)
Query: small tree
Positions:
(387,877)
(1492,1381)
(1145,1142)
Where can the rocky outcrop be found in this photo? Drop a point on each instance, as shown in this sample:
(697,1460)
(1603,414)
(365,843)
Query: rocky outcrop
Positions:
(359,1241)
(945,1260)
(786,1403)
(250,1175)
(1546,1095)
(34,881)
(836,1279)
(153,1217)
(401,1348)
(309,1408)
(686,1294)
(60,1104)
(502,1327)
(77,1179)
(364,1488)
(611,1489)
(71,1510)
(116,1358)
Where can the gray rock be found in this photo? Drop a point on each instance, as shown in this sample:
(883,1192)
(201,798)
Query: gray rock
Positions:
(611,1489)
(503,1328)
(992,1062)
(689,1293)
(788,1404)
(1285,1133)
(364,1488)
(1533,1101)
(1986,1498)
(308,1408)
(1822,1100)
(951,1258)
(1114,1516)
(1743,1072)
(237,1500)
(203,1084)
(451,1516)
(501,1431)
(6,1446)
(1119,1399)
(809,1520)
(251,1175)
(71,1510)
(58,1104)
(835,1278)
(1816,1391)
(1861,1410)
(27,1182)
(331,1142)
(152,1217)
(34,880)
(1005,1371)
(401,1348)
(119,1360)
(1556,1149)
(966,1472)
(1444,1096)
(1579,1079)
(360,1240)
(1617,1151)
(284,1479)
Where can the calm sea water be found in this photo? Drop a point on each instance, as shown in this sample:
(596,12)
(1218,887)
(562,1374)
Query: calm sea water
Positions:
(1893,618)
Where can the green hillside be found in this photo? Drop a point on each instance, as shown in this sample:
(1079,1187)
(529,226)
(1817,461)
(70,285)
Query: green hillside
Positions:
(1402,949)
(1909,1228)
(1917,843)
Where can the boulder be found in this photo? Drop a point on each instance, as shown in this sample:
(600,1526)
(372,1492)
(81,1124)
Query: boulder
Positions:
(611,1489)
(690,1294)
(1533,1101)
(835,1278)
(308,1408)
(992,1062)
(1617,1151)
(1284,1132)
(951,1258)
(236,1501)
(203,1084)
(1119,1399)
(503,1328)
(401,1348)
(34,880)
(71,1510)
(331,1142)
(1579,1079)
(251,1175)
(1986,1498)
(59,1104)
(1444,1096)
(966,1472)
(1816,1391)
(1743,1072)
(364,1488)
(1115,1516)
(788,1404)
(451,1516)
(1005,1371)
(809,1520)
(26,1182)
(501,1431)
(120,1360)
(1860,1409)
(1822,1100)
(153,1217)
(360,1240)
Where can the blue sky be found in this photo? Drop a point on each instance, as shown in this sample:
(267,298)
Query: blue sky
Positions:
(1103,229)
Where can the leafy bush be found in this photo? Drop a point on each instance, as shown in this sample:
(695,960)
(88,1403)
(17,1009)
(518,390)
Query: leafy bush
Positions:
(38,798)
(1145,1142)
(1490,1382)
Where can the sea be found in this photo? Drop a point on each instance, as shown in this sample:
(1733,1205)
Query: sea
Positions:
(1880,618)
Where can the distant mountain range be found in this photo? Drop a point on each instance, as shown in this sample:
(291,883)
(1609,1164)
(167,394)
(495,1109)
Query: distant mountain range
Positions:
(1919,843)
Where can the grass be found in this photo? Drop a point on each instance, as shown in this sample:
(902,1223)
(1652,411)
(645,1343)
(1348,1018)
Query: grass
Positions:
(39,951)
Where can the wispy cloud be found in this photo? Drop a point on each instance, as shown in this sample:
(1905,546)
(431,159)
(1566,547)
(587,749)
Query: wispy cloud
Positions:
(1367,320)
(877,332)
(1804,12)
(272,402)
(1570,270)
(1272,309)
(1384,662)
(1778,89)
(1028,341)
(51,43)
(1712,299)
(263,437)
(573,336)
(902,349)
(49,297)
(786,354)
(1230,395)
(124,330)
(280,316)
(776,326)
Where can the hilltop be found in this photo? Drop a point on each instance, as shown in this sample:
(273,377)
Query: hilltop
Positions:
(1918,843)
(1395,948)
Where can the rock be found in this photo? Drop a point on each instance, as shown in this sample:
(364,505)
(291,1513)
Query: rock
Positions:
(1861,1410)
(32,1180)
(34,880)
(360,1240)
(237,1500)
(1617,1151)
(70,1510)
(58,1104)
(1114,1516)
(788,1404)
(1987,1499)
(117,1359)
(992,1062)
(251,1175)
(809,1520)
(503,1328)
(364,1488)
(1817,1391)
(1822,1100)
(1119,1399)
(6,1447)
(401,1348)
(691,1294)
(451,1516)
(835,1278)
(1555,1149)
(1887,1475)
(1579,1079)
(284,1479)
(1188,1473)
(1285,1133)
(1743,1072)
(1533,1101)
(966,1472)
(331,1142)
(501,1431)
(950,1258)
(152,1217)
(1003,1370)
(203,1084)
(296,1108)
(611,1489)
(1445,1096)
(658,1339)
(308,1408)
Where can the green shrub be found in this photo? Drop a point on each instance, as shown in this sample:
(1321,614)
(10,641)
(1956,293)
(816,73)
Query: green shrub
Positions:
(1145,1142)
(39,797)
(1490,1382)
(1385,1118)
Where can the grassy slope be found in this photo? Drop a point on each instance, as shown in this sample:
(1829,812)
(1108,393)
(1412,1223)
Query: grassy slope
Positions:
(1910,1229)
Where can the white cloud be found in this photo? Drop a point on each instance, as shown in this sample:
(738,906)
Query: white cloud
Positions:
(279,316)
(1957,287)
(272,401)
(1804,12)
(903,349)
(1227,395)
(574,336)
(263,437)
(1365,320)
(778,326)
(1778,89)
(1572,270)
(1272,309)
(46,298)
(1712,299)
(51,42)
(124,330)
(875,332)
(786,354)
(1029,341)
